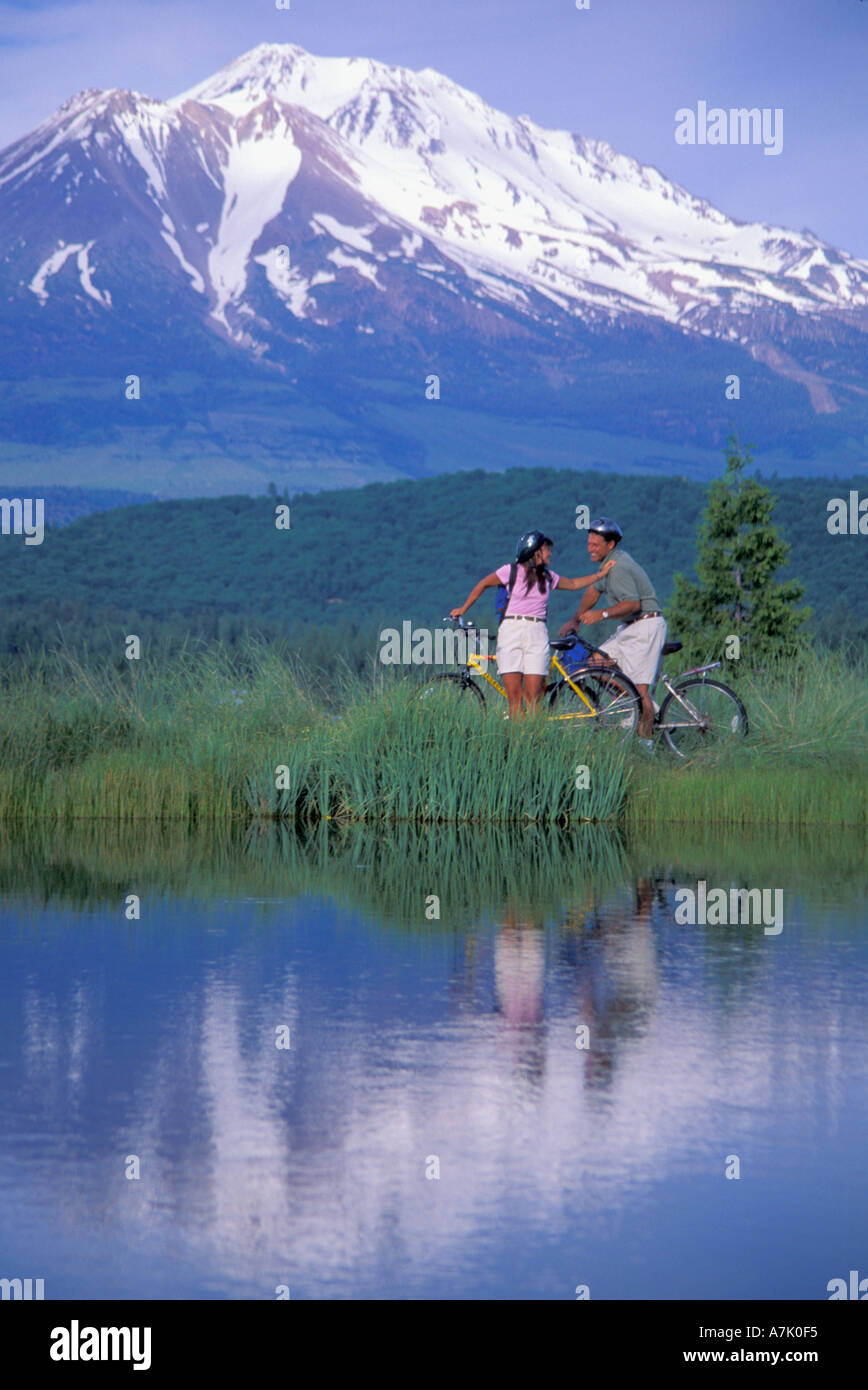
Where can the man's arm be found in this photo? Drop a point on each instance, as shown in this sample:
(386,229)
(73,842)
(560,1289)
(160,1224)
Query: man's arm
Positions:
(618,610)
(588,599)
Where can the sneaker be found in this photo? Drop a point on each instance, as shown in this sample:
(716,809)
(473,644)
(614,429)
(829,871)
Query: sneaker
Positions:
(647,744)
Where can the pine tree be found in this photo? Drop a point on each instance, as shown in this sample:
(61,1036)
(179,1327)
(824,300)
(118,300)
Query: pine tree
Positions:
(740,551)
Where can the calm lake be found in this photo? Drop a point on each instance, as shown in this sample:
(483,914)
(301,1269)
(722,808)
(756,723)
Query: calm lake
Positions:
(447,1065)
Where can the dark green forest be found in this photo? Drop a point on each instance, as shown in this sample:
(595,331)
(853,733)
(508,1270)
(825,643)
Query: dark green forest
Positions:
(356,560)
(66,504)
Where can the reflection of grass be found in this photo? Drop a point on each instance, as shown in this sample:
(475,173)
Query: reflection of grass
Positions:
(388,872)
(826,864)
(199,740)
(472,870)
(533,872)
(89,862)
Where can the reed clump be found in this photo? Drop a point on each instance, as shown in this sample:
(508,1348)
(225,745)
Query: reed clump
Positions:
(208,738)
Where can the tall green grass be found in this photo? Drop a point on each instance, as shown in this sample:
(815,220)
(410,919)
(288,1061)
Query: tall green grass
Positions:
(155,740)
(197,740)
(390,758)
(805,761)
(207,739)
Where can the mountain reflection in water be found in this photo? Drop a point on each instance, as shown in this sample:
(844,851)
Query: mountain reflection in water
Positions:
(458,1038)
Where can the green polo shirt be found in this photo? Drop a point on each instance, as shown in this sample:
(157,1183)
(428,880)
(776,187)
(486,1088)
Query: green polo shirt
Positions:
(627,581)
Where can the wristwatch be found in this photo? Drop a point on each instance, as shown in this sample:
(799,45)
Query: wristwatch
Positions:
(605,614)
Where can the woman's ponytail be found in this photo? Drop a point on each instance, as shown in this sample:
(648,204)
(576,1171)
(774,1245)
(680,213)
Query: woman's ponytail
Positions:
(536,576)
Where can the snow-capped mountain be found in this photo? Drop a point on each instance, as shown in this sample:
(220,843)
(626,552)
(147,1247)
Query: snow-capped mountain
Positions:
(524,210)
(358,171)
(290,203)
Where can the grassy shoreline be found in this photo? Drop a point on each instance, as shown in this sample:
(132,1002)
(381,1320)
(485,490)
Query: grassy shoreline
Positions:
(199,740)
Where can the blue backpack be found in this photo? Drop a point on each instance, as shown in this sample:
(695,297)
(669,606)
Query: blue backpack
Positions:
(504,594)
(576,656)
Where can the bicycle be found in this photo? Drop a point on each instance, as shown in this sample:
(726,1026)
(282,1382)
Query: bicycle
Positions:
(685,727)
(600,691)
(691,723)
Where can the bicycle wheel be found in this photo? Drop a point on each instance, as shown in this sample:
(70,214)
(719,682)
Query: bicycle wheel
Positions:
(462,685)
(713,713)
(613,698)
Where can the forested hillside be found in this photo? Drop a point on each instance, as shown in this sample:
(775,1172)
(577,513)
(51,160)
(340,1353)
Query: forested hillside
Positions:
(66,504)
(355,560)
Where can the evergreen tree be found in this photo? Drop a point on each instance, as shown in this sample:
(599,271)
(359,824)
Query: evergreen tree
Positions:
(739,552)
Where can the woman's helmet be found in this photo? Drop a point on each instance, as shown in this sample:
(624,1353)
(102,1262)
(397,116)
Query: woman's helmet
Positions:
(529,544)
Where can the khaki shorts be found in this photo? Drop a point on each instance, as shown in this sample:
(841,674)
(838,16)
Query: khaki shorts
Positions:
(636,648)
(523,646)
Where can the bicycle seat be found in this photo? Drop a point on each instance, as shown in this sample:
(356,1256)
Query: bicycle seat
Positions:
(562,644)
(670,647)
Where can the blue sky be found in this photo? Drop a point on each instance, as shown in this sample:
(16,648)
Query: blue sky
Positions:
(617,71)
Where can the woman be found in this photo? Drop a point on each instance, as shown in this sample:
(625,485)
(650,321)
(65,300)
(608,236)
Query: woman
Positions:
(522,640)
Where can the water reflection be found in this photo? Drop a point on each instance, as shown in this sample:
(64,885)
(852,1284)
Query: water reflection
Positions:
(620,979)
(411,1038)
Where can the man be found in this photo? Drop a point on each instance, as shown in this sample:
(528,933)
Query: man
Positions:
(638,642)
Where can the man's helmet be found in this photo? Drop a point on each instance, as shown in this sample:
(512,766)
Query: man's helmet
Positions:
(607,528)
(529,544)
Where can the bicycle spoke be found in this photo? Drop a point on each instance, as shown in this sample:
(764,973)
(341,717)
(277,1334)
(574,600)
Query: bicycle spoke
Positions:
(603,700)
(457,687)
(710,714)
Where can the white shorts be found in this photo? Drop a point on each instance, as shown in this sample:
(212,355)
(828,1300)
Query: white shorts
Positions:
(523,646)
(636,648)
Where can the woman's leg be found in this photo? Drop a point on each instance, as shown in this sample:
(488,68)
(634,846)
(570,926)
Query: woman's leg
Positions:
(536,664)
(512,685)
(533,689)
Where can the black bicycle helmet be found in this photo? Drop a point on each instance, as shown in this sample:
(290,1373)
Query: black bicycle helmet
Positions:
(607,528)
(529,544)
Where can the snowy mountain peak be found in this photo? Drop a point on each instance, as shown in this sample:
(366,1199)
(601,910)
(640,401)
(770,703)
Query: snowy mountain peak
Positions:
(323,85)
(285,72)
(77,102)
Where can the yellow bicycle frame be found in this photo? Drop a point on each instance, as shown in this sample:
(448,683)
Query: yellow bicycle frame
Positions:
(474,663)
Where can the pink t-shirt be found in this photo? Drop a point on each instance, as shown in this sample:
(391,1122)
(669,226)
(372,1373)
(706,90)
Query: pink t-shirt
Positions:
(530,602)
